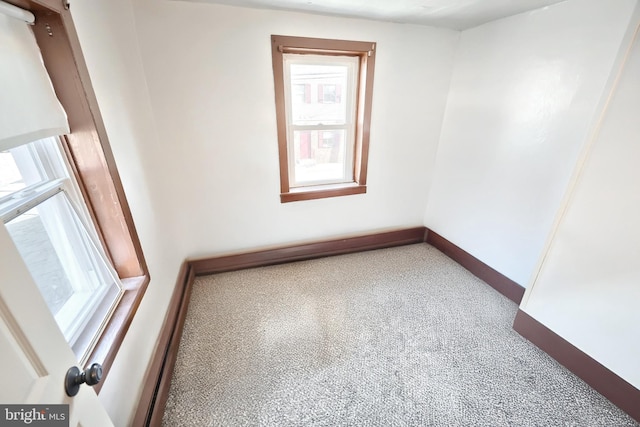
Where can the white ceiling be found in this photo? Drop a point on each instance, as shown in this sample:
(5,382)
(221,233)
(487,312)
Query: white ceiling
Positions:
(454,14)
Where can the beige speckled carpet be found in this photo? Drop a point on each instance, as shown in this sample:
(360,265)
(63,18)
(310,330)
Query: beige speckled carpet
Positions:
(393,337)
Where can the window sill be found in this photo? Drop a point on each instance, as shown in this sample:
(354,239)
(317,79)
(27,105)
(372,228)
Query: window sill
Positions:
(322,192)
(109,342)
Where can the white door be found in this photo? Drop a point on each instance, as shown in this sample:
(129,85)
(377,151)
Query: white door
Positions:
(35,356)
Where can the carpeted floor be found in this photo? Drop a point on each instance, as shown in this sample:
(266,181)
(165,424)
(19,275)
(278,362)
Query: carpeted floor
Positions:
(394,337)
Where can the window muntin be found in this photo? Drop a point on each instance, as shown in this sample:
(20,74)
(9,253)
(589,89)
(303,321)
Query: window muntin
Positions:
(337,79)
(56,242)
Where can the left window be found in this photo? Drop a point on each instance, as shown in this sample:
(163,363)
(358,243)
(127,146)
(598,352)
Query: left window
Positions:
(42,209)
(60,181)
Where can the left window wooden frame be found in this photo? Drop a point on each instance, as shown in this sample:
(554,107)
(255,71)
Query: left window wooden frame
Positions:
(89,152)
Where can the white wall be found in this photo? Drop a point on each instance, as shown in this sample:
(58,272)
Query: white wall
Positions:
(588,287)
(523,94)
(107,35)
(211,82)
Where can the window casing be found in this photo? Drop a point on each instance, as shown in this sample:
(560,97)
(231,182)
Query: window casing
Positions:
(323,93)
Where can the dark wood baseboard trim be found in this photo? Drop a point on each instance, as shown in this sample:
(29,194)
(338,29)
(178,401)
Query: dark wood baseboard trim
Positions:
(308,251)
(617,390)
(493,278)
(158,378)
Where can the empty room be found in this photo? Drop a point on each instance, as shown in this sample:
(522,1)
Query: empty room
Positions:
(291,213)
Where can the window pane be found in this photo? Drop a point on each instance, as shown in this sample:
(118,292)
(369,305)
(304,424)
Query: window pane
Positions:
(319,93)
(320,156)
(19,169)
(10,178)
(300,93)
(77,285)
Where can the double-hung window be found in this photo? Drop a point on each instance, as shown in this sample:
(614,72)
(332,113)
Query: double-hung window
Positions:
(323,92)
(42,209)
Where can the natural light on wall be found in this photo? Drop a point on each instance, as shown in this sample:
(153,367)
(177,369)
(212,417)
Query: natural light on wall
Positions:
(41,205)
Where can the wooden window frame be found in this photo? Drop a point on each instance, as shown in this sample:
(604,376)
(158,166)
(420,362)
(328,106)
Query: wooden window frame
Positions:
(366,52)
(92,162)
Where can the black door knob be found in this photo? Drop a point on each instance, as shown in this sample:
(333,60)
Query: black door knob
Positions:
(92,376)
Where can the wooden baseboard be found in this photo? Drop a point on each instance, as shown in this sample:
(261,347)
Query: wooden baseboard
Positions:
(617,390)
(308,251)
(493,278)
(158,378)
